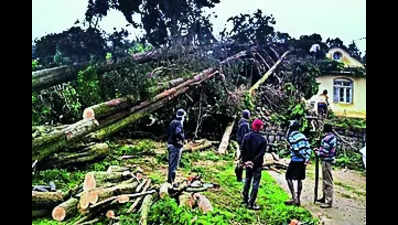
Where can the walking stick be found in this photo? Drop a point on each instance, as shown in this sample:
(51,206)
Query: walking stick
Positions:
(316,178)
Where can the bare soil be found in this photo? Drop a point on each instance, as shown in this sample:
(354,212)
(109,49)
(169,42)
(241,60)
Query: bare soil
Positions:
(349,200)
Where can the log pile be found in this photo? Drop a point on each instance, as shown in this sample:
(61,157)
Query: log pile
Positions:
(102,192)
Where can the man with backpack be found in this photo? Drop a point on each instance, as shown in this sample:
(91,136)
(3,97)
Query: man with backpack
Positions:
(253,149)
(327,154)
(300,152)
(175,143)
(243,129)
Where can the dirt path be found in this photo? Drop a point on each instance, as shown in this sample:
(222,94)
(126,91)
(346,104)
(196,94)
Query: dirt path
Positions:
(349,206)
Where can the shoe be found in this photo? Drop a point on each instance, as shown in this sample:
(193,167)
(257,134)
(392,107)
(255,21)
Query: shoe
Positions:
(290,202)
(254,207)
(326,205)
(321,200)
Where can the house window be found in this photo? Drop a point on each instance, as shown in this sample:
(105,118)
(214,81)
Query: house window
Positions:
(337,56)
(342,91)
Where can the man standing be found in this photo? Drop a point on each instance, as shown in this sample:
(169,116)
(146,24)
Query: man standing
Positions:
(327,154)
(253,149)
(300,152)
(323,103)
(243,129)
(175,143)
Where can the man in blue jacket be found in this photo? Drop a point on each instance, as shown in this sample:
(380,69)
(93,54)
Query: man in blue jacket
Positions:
(327,154)
(253,149)
(300,152)
(243,129)
(175,143)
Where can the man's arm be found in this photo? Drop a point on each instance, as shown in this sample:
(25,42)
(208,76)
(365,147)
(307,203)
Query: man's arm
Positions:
(262,151)
(179,133)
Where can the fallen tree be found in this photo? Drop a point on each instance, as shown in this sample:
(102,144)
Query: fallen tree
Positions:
(75,157)
(222,149)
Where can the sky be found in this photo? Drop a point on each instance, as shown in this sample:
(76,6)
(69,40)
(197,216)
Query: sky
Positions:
(345,19)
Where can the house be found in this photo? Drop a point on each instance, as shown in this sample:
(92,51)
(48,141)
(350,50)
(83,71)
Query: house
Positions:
(346,88)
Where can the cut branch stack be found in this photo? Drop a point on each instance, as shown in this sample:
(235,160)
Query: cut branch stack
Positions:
(101,193)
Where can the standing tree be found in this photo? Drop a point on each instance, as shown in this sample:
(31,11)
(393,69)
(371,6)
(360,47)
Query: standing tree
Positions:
(254,29)
(354,51)
(164,21)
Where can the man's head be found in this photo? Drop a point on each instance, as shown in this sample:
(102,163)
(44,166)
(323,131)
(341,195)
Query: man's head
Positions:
(180,114)
(246,114)
(294,125)
(327,128)
(325,92)
(257,125)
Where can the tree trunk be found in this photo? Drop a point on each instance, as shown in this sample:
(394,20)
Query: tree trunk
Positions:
(203,202)
(96,179)
(267,74)
(43,202)
(46,199)
(164,190)
(113,106)
(65,210)
(51,142)
(146,205)
(104,193)
(75,157)
(222,149)
(49,77)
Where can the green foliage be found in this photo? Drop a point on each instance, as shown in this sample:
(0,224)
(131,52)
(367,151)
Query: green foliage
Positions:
(349,159)
(108,56)
(167,211)
(139,48)
(35,64)
(88,87)
(256,28)
(72,100)
(248,102)
(40,111)
(62,178)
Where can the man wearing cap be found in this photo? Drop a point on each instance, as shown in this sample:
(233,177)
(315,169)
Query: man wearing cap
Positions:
(300,152)
(175,143)
(243,129)
(253,149)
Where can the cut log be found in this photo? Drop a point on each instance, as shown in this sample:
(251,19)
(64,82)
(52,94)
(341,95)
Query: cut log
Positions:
(65,210)
(52,142)
(116,169)
(137,201)
(99,178)
(46,199)
(49,77)
(113,106)
(222,149)
(186,199)
(164,190)
(76,157)
(199,146)
(146,205)
(203,203)
(121,188)
(44,202)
